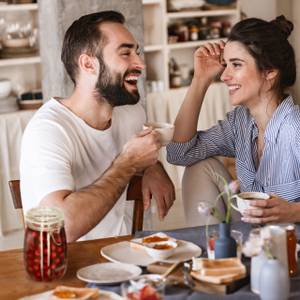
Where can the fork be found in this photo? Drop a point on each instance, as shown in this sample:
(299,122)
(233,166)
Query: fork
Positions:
(187,278)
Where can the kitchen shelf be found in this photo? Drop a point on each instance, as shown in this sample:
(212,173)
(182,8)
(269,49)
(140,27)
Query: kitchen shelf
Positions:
(18,7)
(202,13)
(194,44)
(151,2)
(6,62)
(159,53)
(24,71)
(153,48)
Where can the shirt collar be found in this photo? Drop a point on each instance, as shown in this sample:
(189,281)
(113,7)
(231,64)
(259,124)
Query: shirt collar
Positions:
(285,107)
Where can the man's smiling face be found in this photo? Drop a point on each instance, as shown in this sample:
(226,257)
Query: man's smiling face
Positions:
(120,66)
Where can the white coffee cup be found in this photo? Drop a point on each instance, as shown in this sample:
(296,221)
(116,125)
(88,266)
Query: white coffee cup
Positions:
(243,200)
(165,130)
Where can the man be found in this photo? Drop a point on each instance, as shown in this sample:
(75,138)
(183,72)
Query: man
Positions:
(79,153)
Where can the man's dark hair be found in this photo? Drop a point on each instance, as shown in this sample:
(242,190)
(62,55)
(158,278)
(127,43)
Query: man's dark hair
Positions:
(84,36)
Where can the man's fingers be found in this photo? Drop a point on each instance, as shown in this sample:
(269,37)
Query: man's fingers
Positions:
(144,132)
(161,207)
(170,199)
(146,199)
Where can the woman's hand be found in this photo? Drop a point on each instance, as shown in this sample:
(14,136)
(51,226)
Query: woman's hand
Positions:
(207,60)
(272,210)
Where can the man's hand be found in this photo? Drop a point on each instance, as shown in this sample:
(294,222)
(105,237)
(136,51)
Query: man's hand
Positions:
(142,150)
(273,210)
(158,184)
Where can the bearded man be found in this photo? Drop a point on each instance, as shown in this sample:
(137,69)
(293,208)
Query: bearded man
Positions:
(79,153)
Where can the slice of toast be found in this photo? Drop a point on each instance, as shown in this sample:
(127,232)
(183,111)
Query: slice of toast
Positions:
(73,293)
(218,270)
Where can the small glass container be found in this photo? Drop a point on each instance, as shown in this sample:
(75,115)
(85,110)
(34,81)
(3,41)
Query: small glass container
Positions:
(194,33)
(291,240)
(45,246)
(144,287)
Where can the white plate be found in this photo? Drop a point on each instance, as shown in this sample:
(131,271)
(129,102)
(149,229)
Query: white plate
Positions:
(125,253)
(108,273)
(104,295)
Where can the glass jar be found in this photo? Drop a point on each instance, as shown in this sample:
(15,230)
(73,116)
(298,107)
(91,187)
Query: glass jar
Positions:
(45,247)
(291,240)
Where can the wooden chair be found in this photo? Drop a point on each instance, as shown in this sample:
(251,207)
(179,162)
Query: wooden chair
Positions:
(134,193)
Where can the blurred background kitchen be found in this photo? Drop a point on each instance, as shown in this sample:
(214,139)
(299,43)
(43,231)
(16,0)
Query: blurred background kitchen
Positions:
(169,31)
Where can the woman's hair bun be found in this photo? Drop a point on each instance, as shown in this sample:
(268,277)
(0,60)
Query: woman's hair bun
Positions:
(285,26)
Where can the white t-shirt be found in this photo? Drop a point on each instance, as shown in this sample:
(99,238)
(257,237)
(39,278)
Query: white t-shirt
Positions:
(61,152)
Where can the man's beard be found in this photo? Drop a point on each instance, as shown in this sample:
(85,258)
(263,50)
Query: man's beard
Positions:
(113,90)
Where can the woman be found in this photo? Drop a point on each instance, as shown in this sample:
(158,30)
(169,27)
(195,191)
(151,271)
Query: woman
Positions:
(257,63)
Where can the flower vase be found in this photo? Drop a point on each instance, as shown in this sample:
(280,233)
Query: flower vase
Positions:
(274,281)
(225,245)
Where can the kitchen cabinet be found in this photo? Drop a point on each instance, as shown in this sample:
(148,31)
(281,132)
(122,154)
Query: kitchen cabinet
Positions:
(162,47)
(24,68)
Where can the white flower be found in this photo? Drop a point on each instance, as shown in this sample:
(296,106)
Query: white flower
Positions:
(252,247)
(205,209)
(265,233)
(233,187)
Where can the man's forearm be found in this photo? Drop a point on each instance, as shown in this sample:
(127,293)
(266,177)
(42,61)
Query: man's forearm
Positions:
(85,208)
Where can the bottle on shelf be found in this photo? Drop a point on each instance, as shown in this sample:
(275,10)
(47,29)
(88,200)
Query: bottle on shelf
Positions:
(175,74)
(194,33)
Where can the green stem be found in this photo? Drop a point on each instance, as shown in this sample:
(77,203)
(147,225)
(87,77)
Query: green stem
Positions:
(228,211)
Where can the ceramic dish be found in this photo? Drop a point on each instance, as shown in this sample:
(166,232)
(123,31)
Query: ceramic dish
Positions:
(108,273)
(104,295)
(125,252)
(161,250)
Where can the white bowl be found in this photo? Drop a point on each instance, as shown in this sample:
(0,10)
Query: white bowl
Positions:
(16,43)
(161,250)
(5,88)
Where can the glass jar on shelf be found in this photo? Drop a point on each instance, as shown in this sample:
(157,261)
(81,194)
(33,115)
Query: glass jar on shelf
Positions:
(45,247)
(183,33)
(194,30)
(215,29)
(175,74)
(203,33)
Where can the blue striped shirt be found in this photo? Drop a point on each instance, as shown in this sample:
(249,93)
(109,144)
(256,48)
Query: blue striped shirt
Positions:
(277,172)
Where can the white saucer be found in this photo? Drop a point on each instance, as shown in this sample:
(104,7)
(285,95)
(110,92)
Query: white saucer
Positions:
(124,252)
(108,273)
(104,295)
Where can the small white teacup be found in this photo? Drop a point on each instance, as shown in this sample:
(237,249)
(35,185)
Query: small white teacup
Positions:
(243,200)
(165,130)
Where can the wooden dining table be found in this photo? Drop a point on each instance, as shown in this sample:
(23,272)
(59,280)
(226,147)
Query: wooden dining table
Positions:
(15,282)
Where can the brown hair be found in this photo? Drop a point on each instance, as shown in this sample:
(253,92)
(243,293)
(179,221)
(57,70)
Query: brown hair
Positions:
(84,36)
(267,43)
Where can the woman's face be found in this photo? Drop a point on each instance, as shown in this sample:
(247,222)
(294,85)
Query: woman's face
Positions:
(245,82)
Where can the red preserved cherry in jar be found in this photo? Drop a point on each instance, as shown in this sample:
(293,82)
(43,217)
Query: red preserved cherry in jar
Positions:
(45,246)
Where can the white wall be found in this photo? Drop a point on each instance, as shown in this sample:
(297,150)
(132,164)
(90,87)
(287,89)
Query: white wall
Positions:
(264,9)
(268,10)
(295,13)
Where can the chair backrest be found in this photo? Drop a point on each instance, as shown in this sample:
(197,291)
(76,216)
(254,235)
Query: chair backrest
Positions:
(134,193)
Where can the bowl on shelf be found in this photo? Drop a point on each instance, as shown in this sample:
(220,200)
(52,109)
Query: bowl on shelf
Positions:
(16,42)
(220,2)
(30,100)
(178,5)
(5,88)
